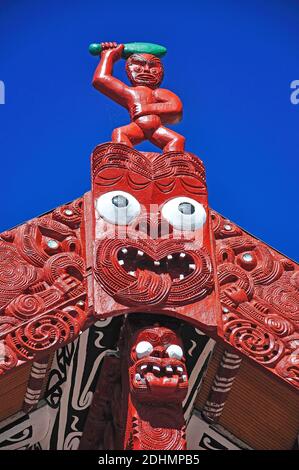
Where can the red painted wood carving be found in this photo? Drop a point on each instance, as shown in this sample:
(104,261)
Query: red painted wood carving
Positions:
(222,384)
(260,300)
(150,106)
(158,384)
(42,286)
(151,239)
(35,384)
(143,242)
(138,400)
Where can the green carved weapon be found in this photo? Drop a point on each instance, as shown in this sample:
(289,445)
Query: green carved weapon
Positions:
(133,48)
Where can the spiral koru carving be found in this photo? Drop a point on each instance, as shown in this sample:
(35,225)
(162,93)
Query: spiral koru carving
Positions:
(259,290)
(43,333)
(25,307)
(254,341)
(40,269)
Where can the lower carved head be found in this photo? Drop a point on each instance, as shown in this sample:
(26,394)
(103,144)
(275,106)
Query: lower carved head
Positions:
(157,365)
(145,70)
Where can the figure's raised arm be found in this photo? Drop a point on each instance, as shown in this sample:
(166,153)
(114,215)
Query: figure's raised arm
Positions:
(103,79)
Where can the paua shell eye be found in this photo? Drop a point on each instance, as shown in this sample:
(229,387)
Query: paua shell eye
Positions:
(184,213)
(118,207)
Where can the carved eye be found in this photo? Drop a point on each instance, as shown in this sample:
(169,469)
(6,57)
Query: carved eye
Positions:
(118,207)
(184,213)
(174,351)
(144,348)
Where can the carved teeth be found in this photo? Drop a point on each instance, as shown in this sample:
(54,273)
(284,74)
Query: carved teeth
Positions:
(124,251)
(157,263)
(192,266)
(184,377)
(180,370)
(182,276)
(169,369)
(132,273)
(121,262)
(182,255)
(169,256)
(144,367)
(140,253)
(137,377)
(156,368)
(142,380)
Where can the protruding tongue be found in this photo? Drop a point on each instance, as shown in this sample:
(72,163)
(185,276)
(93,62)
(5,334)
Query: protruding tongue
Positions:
(148,287)
(157,383)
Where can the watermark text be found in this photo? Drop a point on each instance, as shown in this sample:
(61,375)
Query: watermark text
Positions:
(294,97)
(2,92)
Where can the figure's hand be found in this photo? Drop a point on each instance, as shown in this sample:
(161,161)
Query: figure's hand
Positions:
(112,49)
(138,110)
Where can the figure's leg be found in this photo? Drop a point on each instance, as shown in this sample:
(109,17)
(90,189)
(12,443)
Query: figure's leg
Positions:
(168,140)
(129,135)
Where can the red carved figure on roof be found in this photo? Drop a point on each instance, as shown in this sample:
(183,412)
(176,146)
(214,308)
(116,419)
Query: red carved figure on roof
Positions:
(150,106)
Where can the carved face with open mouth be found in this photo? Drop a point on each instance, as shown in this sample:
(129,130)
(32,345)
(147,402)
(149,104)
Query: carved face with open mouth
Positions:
(152,235)
(158,370)
(153,272)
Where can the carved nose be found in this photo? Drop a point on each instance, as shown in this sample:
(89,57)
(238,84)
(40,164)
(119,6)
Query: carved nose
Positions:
(159,351)
(153,225)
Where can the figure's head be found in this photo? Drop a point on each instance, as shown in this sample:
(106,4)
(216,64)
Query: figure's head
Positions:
(156,361)
(151,218)
(145,70)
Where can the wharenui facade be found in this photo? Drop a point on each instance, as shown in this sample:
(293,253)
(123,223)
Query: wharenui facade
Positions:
(136,317)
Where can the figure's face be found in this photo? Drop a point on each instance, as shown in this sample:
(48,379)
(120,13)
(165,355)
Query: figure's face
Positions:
(151,225)
(144,70)
(157,370)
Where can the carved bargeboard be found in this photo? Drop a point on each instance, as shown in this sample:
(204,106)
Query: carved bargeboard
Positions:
(259,293)
(42,287)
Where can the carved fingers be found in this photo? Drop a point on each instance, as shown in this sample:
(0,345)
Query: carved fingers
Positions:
(136,111)
(113,49)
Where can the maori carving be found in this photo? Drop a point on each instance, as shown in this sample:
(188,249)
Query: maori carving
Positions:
(150,106)
(260,300)
(153,288)
(99,427)
(35,384)
(222,384)
(152,240)
(138,401)
(154,365)
(41,285)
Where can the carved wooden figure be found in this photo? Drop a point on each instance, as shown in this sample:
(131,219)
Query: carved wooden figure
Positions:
(144,244)
(151,239)
(139,396)
(150,106)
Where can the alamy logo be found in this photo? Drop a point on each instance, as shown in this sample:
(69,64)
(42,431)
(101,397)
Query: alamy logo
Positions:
(295,94)
(2,92)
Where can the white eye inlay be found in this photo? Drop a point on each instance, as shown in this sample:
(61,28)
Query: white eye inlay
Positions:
(184,213)
(118,207)
(174,351)
(144,348)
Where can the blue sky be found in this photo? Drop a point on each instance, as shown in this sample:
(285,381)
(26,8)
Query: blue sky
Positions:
(231,63)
